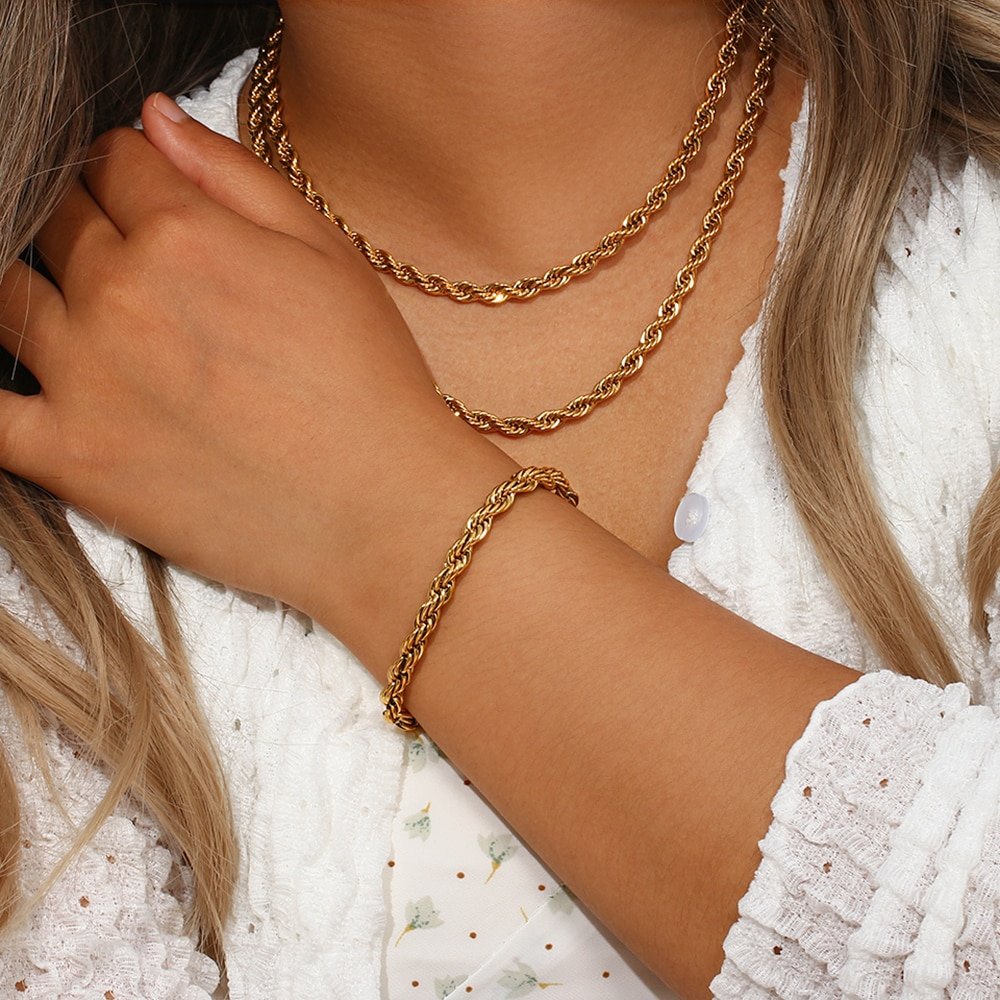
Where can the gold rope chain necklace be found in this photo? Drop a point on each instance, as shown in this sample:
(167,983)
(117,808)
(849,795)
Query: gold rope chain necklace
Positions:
(266,126)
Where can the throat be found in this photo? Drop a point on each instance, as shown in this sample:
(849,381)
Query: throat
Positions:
(494,161)
(508,133)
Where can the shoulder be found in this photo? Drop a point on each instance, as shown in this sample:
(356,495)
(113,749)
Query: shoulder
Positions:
(937,296)
(946,188)
(927,382)
(934,354)
(944,241)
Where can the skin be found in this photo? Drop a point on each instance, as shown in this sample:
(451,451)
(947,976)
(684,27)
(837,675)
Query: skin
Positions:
(588,118)
(193,402)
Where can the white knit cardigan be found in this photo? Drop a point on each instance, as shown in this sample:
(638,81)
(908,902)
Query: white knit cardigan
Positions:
(881,870)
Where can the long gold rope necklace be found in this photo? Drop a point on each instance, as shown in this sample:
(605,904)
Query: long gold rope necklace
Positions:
(270,141)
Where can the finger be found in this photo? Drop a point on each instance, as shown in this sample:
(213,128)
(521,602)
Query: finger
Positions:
(230,174)
(31,312)
(77,234)
(131,180)
(25,439)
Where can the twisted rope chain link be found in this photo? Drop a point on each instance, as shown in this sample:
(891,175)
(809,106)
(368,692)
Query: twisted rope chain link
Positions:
(264,123)
(670,308)
(269,138)
(459,555)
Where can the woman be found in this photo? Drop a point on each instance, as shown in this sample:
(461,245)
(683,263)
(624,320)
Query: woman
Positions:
(644,729)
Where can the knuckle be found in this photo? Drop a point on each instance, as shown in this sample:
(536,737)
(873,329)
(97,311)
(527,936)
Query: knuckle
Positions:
(171,237)
(11,444)
(19,444)
(116,286)
(118,142)
(174,227)
(78,456)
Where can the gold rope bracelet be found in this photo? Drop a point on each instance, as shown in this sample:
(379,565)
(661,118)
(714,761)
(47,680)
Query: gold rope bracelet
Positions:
(459,555)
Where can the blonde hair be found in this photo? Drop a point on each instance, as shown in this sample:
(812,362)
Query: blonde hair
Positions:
(68,70)
(915,73)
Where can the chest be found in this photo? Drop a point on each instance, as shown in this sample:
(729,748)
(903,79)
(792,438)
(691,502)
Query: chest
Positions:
(630,458)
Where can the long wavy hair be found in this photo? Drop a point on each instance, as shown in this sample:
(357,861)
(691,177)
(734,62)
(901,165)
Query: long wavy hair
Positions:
(70,69)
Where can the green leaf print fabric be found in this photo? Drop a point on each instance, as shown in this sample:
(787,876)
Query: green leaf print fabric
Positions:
(473,913)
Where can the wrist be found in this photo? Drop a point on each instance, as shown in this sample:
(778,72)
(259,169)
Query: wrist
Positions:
(391,536)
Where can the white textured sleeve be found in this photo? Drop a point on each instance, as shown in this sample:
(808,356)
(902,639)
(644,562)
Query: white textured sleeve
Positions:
(880,872)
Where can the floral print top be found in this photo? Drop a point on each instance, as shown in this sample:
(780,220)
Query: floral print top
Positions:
(473,913)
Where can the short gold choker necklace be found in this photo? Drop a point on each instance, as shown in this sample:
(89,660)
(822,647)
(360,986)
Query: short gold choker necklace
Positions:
(269,136)
(270,141)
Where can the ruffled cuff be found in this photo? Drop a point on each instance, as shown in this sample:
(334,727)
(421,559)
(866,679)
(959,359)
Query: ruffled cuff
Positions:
(880,869)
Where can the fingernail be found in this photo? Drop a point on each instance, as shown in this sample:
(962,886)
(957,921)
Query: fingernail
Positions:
(169,108)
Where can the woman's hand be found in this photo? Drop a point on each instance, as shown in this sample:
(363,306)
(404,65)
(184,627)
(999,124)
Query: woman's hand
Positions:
(223,378)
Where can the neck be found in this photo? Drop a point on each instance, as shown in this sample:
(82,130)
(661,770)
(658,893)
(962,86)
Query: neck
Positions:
(503,134)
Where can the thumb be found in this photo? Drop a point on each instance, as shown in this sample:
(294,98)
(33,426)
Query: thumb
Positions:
(230,174)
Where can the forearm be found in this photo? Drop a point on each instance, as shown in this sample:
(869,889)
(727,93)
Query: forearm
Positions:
(633,732)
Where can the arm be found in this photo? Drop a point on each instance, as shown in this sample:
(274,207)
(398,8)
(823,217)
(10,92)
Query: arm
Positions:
(581,689)
(635,735)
